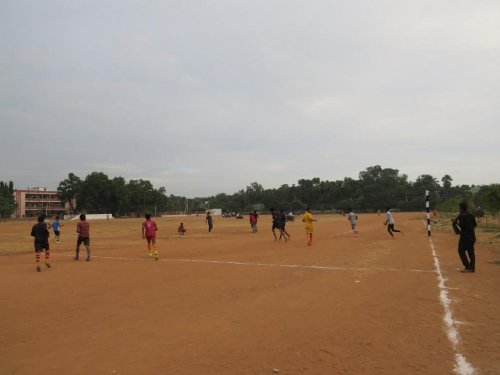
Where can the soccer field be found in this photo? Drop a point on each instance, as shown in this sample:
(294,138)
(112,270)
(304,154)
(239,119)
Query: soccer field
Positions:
(235,302)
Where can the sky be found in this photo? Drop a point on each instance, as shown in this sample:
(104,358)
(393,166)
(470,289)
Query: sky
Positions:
(206,97)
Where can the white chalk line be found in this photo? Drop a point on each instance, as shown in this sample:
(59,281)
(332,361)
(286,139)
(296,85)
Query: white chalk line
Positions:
(462,366)
(331,268)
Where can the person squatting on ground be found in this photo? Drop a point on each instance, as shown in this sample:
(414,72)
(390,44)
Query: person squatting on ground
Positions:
(41,233)
(390,222)
(56,227)
(308,220)
(464,225)
(210,221)
(275,221)
(353,218)
(282,224)
(83,230)
(181,229)
(149,230)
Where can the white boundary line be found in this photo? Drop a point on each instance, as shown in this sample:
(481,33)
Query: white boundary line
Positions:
(462,366)
(331,268)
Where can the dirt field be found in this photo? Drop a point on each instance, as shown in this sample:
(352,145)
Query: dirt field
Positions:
(234,302)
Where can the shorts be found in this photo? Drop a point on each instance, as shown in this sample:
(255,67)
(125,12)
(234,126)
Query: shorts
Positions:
(353,226)
(40,246)
(84,240)
(150,238)
(275,226)
(57,233)
(309,229)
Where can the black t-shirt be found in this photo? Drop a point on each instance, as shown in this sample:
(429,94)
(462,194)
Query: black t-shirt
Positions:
(40,232)
(466,224)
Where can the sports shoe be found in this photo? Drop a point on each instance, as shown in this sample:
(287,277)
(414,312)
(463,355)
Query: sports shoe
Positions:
(87,259)
(157,256)
(38,269)
(48,265)
(150,254)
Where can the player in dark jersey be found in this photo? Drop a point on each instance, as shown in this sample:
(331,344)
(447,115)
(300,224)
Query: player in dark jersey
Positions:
(210,221)
(464,225)
(41,233)
(281,225)
(275,221)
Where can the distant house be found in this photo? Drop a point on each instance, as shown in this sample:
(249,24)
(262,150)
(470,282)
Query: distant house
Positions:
(32,201)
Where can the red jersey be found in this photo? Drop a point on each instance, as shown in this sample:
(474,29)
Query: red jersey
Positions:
(83,229)
(149,227)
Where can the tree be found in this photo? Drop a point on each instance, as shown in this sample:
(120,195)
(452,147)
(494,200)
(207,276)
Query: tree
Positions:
(69,189)
(7,202)
(489,198)
(95,193)
(141,195)
(446,180)
(119,196)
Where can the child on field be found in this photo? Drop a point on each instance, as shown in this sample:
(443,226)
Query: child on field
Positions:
(353,218)
(149,230)
(181,229)
(210,221)
(56,225)
(390,222)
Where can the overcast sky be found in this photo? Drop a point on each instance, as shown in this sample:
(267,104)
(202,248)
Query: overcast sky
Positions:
(205,97)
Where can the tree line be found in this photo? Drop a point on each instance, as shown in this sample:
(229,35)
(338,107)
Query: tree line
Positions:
(375,188)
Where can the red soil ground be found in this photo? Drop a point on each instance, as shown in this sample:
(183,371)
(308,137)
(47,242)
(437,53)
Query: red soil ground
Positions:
(234,302)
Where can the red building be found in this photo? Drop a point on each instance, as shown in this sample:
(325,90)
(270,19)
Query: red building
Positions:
(36,200)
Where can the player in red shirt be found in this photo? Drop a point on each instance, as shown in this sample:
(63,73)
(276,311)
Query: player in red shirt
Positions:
(83,230)
(149,229)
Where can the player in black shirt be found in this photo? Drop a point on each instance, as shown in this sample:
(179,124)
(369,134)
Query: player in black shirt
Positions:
(464,225)
(41,233)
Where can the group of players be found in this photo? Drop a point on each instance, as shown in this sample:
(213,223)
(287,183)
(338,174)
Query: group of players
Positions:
(40,232)
(464,225)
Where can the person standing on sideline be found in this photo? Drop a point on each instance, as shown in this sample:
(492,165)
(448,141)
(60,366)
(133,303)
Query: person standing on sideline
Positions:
(353,218)
(275,221)
(149,230)
(253,221)
(308,220)
(83,230)
(210,221)
(390,222)
(256,216)
(464,225)
(56,227)
(41,233)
